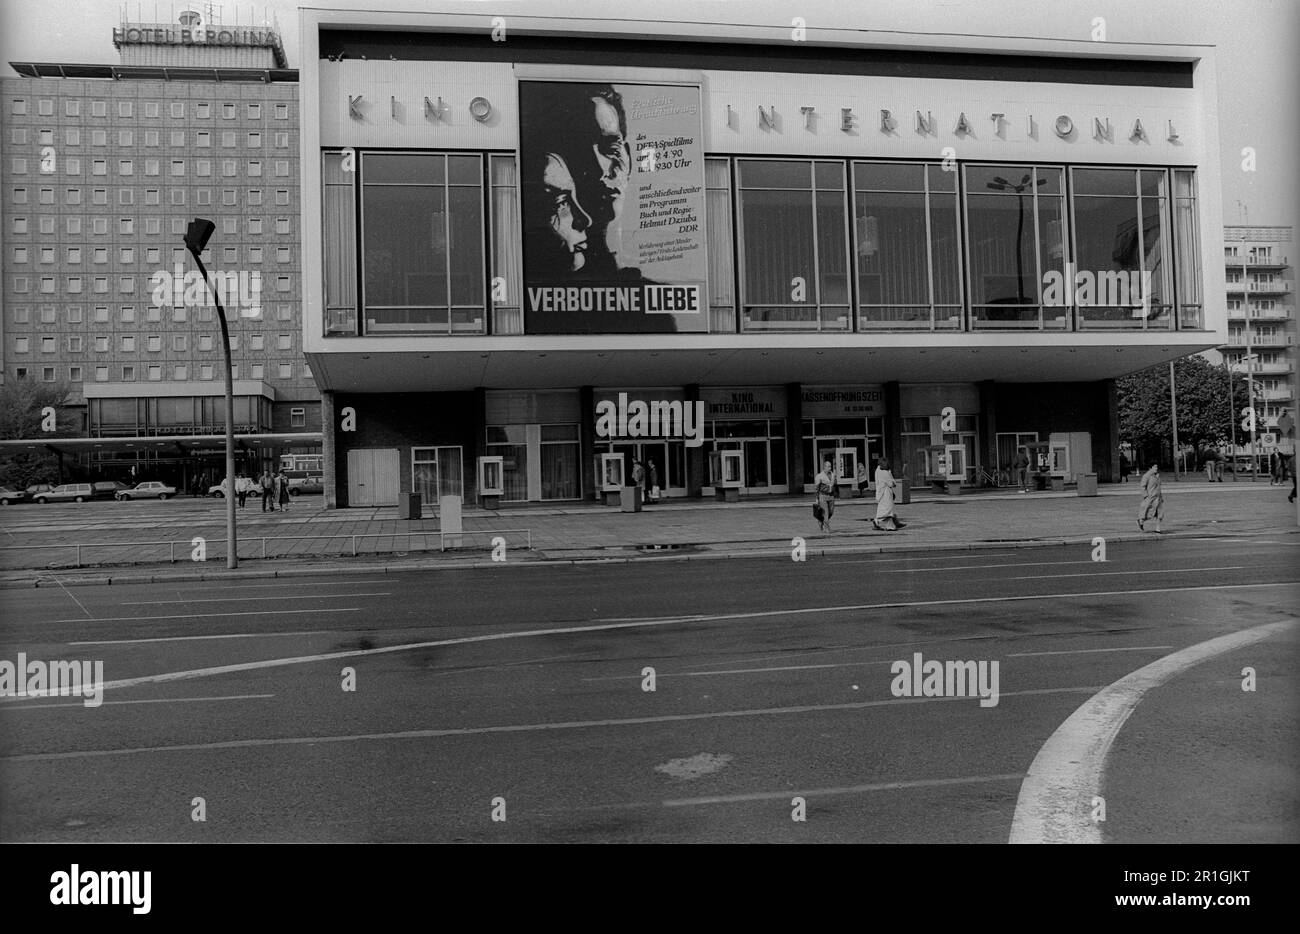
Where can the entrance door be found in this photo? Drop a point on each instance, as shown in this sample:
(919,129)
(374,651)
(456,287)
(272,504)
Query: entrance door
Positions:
(373,476)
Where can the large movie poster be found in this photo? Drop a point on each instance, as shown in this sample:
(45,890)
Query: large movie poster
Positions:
(612,184)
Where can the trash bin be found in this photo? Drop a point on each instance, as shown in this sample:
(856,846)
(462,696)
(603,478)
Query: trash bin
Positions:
(1087,484)
(904,491)
(630,499)
(409,506)
(1058,484)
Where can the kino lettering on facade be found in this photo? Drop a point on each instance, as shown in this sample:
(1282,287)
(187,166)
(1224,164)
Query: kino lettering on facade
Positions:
(656,419)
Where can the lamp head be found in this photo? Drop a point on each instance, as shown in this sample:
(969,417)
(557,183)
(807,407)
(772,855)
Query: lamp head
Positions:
(197,234)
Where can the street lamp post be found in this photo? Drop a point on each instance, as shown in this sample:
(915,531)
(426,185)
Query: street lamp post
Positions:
(196,238)
(1001,184)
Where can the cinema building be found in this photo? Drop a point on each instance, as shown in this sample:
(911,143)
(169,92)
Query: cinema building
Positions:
(565,240)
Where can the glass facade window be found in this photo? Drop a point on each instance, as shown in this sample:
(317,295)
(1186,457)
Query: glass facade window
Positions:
(339,246)
(908,247)
(507,262)
(1015,235)
(721,246)
(1121,236)
(422,243)
(794,245)
(436,472)
(1187,265)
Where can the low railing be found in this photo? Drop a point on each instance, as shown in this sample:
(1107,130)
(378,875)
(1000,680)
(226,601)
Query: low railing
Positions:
(254,548)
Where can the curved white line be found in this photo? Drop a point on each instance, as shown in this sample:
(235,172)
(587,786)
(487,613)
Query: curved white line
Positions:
(1055,802)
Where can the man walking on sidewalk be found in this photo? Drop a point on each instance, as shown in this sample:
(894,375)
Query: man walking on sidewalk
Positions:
(1153,500)
(1020,469)
(268,491)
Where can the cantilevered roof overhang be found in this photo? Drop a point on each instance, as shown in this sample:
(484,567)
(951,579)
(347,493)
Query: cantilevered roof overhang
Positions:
(167,445)
(544,362)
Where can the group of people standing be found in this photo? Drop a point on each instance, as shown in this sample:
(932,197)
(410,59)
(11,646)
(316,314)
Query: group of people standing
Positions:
(827,483)
(640,475)
(274,488)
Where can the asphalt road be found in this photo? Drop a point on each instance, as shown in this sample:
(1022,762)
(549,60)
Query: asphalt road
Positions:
(519,691)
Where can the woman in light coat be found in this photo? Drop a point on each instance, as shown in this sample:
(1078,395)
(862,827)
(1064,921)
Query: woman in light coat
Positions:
(1153,500)
(826,493)
(886,518)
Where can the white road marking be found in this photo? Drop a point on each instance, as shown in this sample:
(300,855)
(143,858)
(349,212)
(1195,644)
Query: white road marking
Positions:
(1124,648)
(1055,801)
(960,556)
(606,627)
(151,619)
(1032,577)
(849,790)
(233,635)
(980,567)
(298,596)
(519,728)
(159,700)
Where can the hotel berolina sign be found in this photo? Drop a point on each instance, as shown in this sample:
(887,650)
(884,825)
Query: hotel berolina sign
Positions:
(180,35)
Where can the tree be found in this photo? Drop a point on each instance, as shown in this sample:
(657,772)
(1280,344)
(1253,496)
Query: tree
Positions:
(25,409)
(1205,416)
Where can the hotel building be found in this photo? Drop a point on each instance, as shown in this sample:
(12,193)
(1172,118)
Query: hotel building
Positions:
(838,244)
(103,167)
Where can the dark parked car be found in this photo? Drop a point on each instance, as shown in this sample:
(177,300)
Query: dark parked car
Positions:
(9,496)
(107,489)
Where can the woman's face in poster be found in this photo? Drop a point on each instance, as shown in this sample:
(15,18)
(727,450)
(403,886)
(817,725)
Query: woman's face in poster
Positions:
(566,218)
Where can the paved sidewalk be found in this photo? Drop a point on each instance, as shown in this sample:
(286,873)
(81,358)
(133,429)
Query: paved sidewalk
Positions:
(313,539)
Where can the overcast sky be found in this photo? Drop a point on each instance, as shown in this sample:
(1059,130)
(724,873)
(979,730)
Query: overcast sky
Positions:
(1257,40)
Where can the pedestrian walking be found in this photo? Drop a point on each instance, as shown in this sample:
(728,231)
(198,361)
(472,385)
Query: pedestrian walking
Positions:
(268,491)
(654,482)
(1291,498)
(886,496)
(282,490)
(1210,460)
(862,479)
(1153,500)
(1277,469)
(827,491)
(1125,468)
(241,490)
(638,476)
(1020,469)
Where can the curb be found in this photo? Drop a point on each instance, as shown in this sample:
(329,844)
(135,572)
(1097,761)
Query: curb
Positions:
(713,552)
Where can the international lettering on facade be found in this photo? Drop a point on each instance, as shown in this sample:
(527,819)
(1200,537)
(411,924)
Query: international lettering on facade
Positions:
(741,403)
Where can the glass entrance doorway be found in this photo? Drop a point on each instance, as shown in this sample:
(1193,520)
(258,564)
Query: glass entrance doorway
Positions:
(667,458)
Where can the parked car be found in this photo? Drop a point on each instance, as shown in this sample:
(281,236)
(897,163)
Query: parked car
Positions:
(36,488)
(150,489)
(68,493)
(9,496)
(242,485)
(314,483)
(107,489)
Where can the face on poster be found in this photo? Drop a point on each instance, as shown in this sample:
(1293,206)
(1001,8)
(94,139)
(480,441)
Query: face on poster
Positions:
(612,184)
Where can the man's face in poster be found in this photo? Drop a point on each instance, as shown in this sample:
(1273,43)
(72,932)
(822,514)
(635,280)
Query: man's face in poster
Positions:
(612,153)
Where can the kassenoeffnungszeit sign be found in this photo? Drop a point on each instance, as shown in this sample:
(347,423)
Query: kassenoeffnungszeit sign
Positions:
(612,183)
